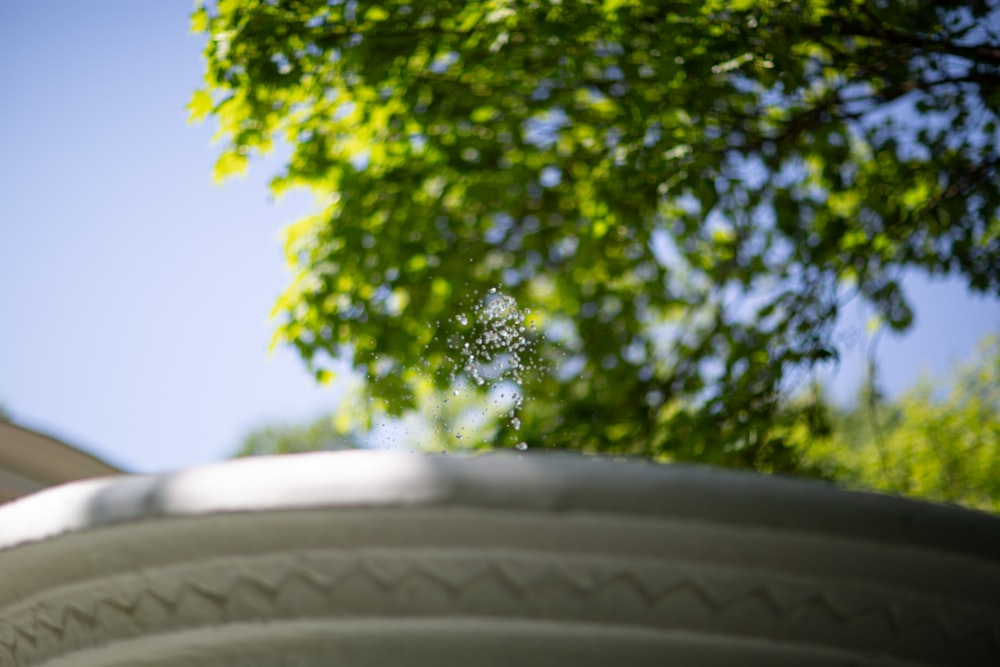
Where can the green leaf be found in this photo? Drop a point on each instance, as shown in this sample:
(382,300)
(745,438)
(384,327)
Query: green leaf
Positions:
(199,106)
(199,20)
(375,13)
(230,163)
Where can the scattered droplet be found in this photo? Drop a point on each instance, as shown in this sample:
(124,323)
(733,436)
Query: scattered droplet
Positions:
(492,355)
(521,446)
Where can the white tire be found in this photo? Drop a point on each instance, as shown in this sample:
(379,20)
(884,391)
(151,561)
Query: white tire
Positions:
(374,559)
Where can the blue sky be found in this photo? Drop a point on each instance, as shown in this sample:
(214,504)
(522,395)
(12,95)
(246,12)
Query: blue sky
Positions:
(135,293)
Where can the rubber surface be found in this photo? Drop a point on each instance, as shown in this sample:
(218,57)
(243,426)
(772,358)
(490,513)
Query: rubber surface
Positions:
(372,558)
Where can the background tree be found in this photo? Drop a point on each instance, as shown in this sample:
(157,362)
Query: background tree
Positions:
(940,440)
(320,434)
(684,194)
(437,423)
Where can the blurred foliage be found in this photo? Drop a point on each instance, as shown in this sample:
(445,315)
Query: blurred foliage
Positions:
(320,434)
(683,193)
(939,441)
(437,424)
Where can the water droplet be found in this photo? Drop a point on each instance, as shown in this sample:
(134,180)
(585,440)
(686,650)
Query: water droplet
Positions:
(491,358)
(521,446)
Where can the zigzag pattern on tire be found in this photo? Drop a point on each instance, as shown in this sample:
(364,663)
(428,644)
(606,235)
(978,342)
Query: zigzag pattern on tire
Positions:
(30,627)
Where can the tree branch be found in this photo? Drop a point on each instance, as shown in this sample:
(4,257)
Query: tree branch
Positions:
(986,53)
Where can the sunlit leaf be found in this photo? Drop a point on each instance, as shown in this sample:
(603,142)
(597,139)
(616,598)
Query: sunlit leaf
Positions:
(199,106)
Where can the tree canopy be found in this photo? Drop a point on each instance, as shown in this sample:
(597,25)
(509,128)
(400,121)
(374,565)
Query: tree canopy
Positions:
(683,194)
(940,440)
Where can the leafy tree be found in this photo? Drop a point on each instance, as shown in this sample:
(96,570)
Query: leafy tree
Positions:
(939,441)
(323,433)
(684,194)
